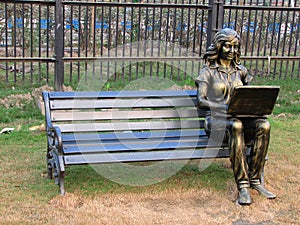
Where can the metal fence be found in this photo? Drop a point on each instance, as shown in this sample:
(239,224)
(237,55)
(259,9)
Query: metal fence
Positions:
(66,42)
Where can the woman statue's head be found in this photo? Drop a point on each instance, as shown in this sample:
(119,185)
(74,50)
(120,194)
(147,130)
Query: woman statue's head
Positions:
(215,49)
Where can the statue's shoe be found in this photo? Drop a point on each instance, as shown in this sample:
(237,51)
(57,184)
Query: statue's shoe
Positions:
(244,197)
(260,189)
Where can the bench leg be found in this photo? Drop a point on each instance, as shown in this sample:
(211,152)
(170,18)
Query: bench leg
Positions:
(262,178)
(62,183)
(50,165)
(56,169)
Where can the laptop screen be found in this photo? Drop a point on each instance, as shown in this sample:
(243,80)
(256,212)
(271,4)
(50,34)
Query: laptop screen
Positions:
(253,100)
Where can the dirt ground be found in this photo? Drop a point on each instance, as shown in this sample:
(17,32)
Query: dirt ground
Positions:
(202,205)
(193,206)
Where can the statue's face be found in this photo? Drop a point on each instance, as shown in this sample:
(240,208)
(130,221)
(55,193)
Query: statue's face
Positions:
(229,49)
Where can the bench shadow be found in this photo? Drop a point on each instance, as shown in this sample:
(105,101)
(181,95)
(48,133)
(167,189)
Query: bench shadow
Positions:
(84,179)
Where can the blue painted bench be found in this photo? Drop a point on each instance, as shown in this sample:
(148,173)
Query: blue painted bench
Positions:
(127,126)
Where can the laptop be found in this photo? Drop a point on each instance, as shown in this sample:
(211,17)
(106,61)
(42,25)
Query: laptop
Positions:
(253,100)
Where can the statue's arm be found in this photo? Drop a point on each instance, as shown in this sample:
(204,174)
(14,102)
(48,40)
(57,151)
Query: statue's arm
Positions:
(203,101)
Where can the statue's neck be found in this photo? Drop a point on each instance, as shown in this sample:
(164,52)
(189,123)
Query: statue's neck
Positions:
(226,64)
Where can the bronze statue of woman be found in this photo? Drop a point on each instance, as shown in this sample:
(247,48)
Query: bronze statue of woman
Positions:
(220,74)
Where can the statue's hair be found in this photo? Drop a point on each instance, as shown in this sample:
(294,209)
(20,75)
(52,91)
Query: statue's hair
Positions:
(213,51)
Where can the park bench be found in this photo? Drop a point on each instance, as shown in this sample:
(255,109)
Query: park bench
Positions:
(125,126)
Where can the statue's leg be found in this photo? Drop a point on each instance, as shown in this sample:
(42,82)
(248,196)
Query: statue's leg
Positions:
(238,159)
(258,155)
(238,153)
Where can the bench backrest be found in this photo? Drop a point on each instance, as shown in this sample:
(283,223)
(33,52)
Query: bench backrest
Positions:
(124,111)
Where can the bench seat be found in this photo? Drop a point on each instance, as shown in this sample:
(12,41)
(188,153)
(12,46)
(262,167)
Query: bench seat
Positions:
(132,148)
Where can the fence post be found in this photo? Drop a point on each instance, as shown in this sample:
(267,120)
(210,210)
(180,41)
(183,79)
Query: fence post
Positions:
(215,18)
(59,46)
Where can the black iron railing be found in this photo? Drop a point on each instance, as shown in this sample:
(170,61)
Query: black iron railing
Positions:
(63,42)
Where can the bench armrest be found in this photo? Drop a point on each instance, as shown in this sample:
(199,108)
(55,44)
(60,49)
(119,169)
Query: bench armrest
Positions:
(54,138)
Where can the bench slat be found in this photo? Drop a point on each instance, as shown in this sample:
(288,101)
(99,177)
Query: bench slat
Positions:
(131,126)
(123,103)
(131,143)
(137,145)
(132,135)
(121,94)
(74,115)
(144,156)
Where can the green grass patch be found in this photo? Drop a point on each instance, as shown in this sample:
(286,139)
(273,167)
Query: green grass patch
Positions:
(289,96)
(27,111)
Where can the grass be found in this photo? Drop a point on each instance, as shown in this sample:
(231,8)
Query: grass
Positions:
(289,97)
(27,197)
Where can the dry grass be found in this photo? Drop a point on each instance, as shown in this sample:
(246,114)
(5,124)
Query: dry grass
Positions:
(26,198)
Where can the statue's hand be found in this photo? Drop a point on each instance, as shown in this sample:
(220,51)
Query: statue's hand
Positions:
(220,111)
